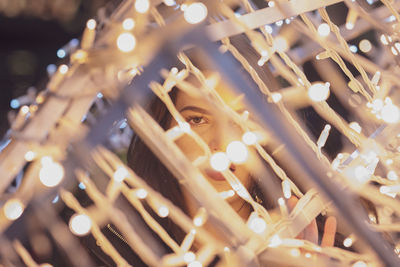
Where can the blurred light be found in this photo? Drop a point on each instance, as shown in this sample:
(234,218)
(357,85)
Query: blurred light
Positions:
(195,13)
(13,209)
(195,264)
(268,29)
(80,224)
(63,69)
(189,257)
(128,24)
(391,175)
(56,198)
(365,46)
(307,255)
(51,172)
(29,156)
(91,24)
(61,53)
(319,91)
(295,252)
(81,186)
(169,2)
(359,264)
(126,42)
(275,241)
(237,152)
(276,97)
(14,103)
(390,113)
(257,225)
(99,95)
(141,193)
(249,138)
(348,242)
(163,211)
(219,161)
(24,109)
(324,29)
(281,44)
(120,174)
(384,40)
(51,68)
(394,51)
(74,42)
(353,48)
(279,23)
(271,3)
(355,126)
(142,6)
(349,25)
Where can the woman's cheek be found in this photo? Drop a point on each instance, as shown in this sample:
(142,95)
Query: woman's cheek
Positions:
(189,147)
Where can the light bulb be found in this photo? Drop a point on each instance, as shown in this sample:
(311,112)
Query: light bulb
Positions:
(281,44)
(276,97)
(195,264)
(141,193)
(120,174)
(249,138)
(163,211)
(391,175)
(295,252)
(348,242)
(319,91)
(13,209)
(219,161)
(257,225)
(324,29)
(365,45)
(237,152)
(29,156)
(63,69)
(128,24)
(359,264)
(169,2)
(189,257)
(275,241)
(384,40)
(126,42)
(80,224)
(51,172)
(142,6)
(355,126)
(91,24)
(195,13)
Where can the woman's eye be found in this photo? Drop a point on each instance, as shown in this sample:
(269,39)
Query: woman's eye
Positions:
(196,120)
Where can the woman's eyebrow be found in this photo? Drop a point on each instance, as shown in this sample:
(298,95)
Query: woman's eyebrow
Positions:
(196,109)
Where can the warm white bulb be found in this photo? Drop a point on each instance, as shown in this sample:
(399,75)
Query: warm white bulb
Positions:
(195,264)
(324,29)
(391,175)
(361,174)
(276,97)
(128,24)
(295,252)
(390,113)
(126,42)
(80,224)
(319,92)
(275,241)
(219,161)
(163,211)
(189,257)
(384,40)
(120,174)
(63,69)
(24,109)
(348,242)
(355,126)
(141,193)
(195,13)
(51,172)
(365,45)
(281,44)
(237,152)
(360,264)
(142,6)
(249,138)
(91,24)
(13,209)
(169,2)
(29,156)
(349,25)
(257,225)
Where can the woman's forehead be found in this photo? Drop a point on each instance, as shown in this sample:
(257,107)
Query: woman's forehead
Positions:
(235,101)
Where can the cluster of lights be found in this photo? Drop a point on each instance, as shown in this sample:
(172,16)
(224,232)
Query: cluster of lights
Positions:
(236,152)
(385,110)
(51,172)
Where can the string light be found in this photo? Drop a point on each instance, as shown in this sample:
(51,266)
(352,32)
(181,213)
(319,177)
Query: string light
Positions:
(163,211)
(275,241)
(295,252)
(237,152)
(365,46)
(169,2)
(319,91)
(189,257)
(13,209)
(29,156)
(141,193)
(120,174)
(307,255)
(390,113)
(195,264)
(51,172)
(391,175)
(80,224)
(281,44)
(249,138)
(63,69)
(226,194)
(355,126)
(359,264)
(219,161)
(324,136)
(384,40)
(351,19)
(324,29)
(348,242)
(128,24)
(276,97)
(126,42)
(257,225)
(142,6)
(91,24)
(195,13)
(287,192)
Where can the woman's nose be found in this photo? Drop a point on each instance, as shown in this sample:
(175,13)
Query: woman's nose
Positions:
(222,135)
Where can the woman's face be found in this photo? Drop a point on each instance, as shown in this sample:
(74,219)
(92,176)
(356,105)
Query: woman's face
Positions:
(216,132)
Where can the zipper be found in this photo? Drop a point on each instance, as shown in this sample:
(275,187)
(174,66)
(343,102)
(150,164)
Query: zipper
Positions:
(117,234)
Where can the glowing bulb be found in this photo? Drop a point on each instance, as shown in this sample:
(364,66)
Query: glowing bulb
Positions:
(384,40)
(163,211)
(348,242)
(390,113)
(249,138)
(281,44)
(195,264)
(355,126)
(126,42)
(24,110)
(394,51)
(361,174)
(29,156)
(219,161)
(141,193)
(271,3)
(359,264)
(189,257)
(365,45)
(227,194)
(391,175)
(120,174)
(295,252)
(13,209)
(169,2)
(237,152)
(195,13)
(63,69)
(198,221)
(307,255)
(276,97)
(353,48)
(91,24)
(257,225)
(349,25)
(275,241)
(287,193)
(80,224)
(184,126)
(51,172)
(128,24)
(268,29)
(142,6)
(319,91)
(324,29)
